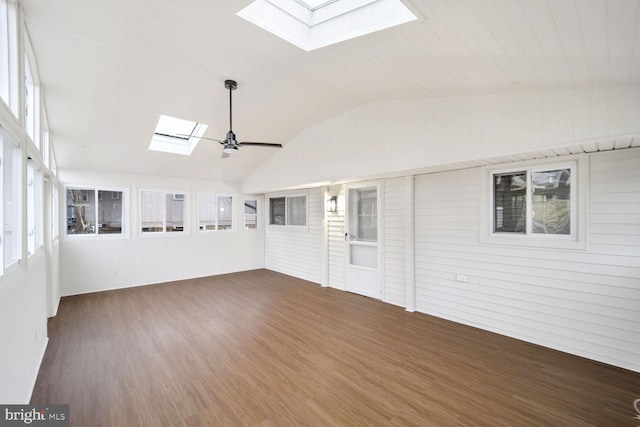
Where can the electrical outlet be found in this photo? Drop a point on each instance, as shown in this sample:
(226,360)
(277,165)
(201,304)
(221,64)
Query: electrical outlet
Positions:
(462,278)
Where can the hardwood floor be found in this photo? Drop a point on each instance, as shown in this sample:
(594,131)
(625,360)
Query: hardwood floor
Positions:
(260,348)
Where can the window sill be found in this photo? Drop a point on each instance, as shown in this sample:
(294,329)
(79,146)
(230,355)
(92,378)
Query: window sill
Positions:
(541,242)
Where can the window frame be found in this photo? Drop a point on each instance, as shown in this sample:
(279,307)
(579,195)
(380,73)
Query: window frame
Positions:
(185,213)
(96,189)
(216,220)
(576,239)
(287,223)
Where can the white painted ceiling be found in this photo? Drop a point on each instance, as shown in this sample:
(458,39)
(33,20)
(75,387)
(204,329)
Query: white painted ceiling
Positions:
(110,68)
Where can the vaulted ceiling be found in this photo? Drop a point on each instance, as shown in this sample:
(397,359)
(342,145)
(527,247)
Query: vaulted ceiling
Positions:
(110,68)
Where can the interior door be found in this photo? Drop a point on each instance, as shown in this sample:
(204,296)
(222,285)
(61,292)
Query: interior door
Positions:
(361,234)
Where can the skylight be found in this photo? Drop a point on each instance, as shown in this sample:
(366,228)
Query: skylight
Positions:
(311,24)
(177,136)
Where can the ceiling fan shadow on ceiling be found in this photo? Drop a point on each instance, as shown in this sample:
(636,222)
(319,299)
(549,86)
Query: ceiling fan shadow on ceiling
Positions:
(230,143)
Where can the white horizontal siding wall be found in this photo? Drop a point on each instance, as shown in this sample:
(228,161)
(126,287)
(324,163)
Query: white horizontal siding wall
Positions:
(585,302)
(297,251)
(336,242)
(396,202)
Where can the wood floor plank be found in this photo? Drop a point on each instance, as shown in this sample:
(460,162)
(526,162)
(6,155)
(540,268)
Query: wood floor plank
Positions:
(259,348)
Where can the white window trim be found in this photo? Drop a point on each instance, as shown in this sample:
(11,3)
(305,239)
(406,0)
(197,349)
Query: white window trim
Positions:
(96,188)
(287,196)
(164,233)
(577,240)
(233,214)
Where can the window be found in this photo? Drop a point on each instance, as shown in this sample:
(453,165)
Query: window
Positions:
(11,212)
(537,204)
(215,212)
(46,141)
(9,56)
(31,104)
(93,211)
(35,230)
(288,210)
(250,214)
(311,24)
(162,212)
(54,214)
(177,136)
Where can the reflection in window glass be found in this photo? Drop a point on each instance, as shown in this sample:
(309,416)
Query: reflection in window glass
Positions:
(152,211)
(363,219)
(93,211)
(206,212)
(551,202)
(225,213)
(215,212)
(109,212)
(297,210)
(277,211)
(175,212)
(81,211)
(510,202)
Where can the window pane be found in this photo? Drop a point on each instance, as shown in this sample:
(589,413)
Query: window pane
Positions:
(34,207)
(250,214)
(363,218)
(277,211)
(110,212)
(12,182)
(297,210)
(551,202)
(152,211)
(39,208)
(31,219)
(206,212)
(510,202)
(4,53)
(29,101)
(225,213)
(9,55)
(81,208)
(175,212)
(55,226)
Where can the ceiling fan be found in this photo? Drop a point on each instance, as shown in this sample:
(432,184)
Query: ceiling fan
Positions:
(230,143)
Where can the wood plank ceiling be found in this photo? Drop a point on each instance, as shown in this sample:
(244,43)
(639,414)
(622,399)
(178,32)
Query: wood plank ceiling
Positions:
(109,69)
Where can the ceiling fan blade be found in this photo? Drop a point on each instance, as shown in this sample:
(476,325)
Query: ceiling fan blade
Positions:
(263,144)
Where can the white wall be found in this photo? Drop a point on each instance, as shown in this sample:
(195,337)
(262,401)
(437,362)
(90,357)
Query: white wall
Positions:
(336,244)
(297,251)
(96,263)
(396,203)
(23,328)
(389,137)
(585,302)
